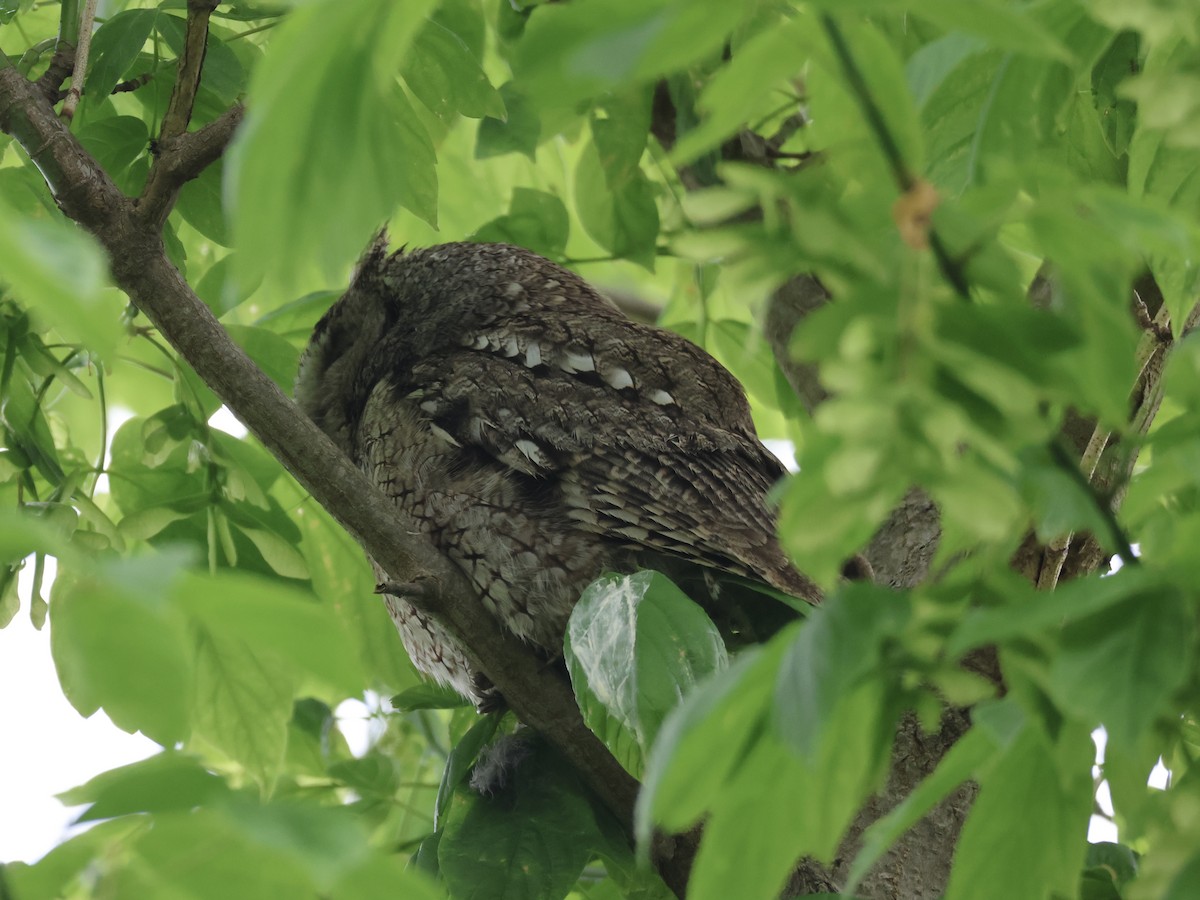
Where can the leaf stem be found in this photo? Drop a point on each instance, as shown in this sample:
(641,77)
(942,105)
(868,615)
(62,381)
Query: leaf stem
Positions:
(951,269)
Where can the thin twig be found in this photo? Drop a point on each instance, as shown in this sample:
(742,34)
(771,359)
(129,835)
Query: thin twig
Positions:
(951,269)
(86,22)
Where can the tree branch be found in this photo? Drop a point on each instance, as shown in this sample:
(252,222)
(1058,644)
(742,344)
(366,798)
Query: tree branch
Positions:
(182,158)
(536,693)
(87,21)
(164,181)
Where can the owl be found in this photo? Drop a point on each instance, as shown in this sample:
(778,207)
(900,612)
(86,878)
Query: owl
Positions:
(539,438)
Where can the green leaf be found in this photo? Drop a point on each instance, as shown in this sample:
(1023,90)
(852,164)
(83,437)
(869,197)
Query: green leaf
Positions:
(165,782)
(283,557)
(287,628)
(1003,852)
(444,75)
(243,701)
(530,840)
(116,142)
(429,696)
(519,132)
(326,113)
(693,759)
(745,353)
(1028,612)
(572,51)
(1121,664)
(1117,862)
(751,855)
(535,220)
(275,355)
(207,856)
(200,204)
(1000,24)
(384,878)
(459,763)
(745,88)
(324,842)
(60,270)
(614,199)
(842,642)
(343,580)
(115,47)
(119,644)
(635,645)
(56,874)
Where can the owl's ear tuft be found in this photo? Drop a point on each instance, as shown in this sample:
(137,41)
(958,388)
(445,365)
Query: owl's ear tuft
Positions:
(371,264)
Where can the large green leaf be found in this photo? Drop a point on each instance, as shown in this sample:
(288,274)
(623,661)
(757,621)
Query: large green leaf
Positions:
(842,643)
(1120,665)
(529,840)
(330,146)
(635,645)
(119,643)
(242,704)
(572,51)
(1004,852)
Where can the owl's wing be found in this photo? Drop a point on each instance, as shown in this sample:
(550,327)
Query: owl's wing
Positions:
(652,450)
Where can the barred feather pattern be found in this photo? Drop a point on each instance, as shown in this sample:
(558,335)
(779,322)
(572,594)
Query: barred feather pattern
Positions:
(537,436)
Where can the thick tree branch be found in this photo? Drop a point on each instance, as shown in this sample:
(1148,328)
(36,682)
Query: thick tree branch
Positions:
(535,692)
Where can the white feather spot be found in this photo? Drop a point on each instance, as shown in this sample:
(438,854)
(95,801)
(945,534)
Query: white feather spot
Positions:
(533,355)
(618,378)
(551,284)
(578,362)
(583,515)
(513,289)
(532,452)
(430,406)
(481,342)
(661,397)
(510,346)
(446,436)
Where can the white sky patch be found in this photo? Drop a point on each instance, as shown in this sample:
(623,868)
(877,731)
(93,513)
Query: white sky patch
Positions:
(47,747)
(784,451)
(360,722)
(226,421)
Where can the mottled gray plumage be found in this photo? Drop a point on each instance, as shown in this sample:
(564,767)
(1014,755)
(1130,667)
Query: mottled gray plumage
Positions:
(538,436)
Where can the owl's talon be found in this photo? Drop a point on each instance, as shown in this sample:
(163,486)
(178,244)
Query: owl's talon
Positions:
(487,698)
(405,590)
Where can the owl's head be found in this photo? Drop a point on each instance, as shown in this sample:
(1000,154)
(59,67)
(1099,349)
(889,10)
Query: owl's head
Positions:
(335,371)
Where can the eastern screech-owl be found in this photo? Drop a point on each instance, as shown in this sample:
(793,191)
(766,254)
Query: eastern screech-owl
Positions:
(539,438)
